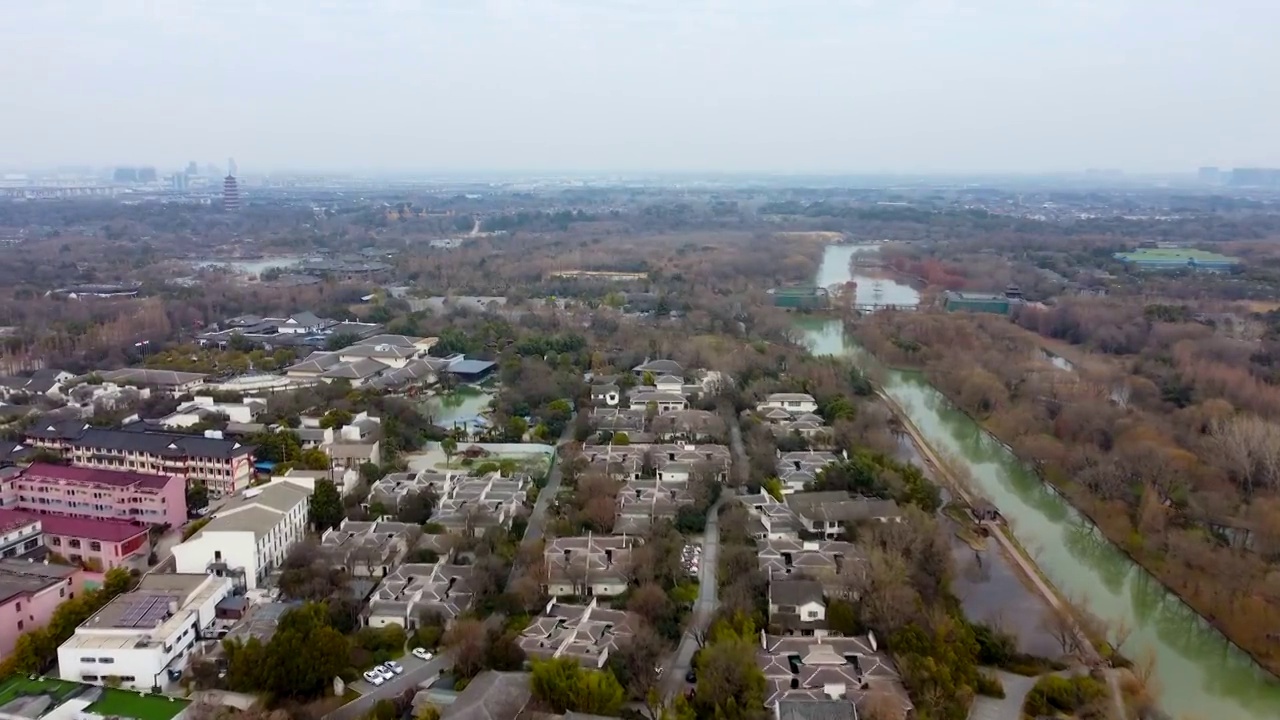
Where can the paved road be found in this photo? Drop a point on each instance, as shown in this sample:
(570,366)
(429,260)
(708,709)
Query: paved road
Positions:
(415,671)
(708,600)
(538,517)
(741,466)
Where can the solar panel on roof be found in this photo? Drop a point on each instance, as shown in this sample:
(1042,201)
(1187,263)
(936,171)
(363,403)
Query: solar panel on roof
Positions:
(147,611)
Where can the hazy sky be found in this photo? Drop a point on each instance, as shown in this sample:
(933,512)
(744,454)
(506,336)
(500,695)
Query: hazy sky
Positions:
(841,86)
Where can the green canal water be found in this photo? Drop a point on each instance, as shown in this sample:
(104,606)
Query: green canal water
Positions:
(1198,672)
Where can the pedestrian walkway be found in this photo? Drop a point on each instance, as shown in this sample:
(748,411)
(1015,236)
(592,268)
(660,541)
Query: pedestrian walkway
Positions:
(1009,707)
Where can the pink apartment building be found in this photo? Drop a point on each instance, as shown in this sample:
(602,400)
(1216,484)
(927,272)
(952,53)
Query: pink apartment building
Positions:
(101,544)
(223,466)
(93,494)
(29,593)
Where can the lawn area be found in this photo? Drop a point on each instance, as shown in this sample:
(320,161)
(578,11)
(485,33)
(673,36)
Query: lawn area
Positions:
(127,703)
(15,686)
(1172,254)
(114,702)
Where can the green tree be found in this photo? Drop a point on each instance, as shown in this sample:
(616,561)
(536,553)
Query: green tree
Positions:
(341,340)
(567,687)
(516,428)
(842,617)
(326,506)
(371,472)
(304,655)
(621,438)
(244,664)
(448,446)
(730,684)
(239,343)
(197,496)
(336,418)
(313,459)
(417,507)
(280,446)
(31,651)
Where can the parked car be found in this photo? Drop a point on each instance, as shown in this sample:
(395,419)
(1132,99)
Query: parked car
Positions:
(691,677)
(421,653)
(393,666)
(384,671)
(374,677)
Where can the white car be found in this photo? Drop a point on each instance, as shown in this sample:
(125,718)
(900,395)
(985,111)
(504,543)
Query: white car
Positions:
(421,653)
(393,666)
(374,677)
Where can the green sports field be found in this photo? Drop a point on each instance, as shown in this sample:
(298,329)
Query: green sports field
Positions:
(1173,254)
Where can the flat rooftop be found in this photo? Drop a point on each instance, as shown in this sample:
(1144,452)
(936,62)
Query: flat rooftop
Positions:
(144,614)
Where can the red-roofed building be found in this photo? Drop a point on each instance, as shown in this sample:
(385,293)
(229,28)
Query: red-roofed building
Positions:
(94,494)
(97,544)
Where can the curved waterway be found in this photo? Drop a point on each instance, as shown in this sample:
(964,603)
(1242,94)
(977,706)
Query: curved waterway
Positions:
(1198,672)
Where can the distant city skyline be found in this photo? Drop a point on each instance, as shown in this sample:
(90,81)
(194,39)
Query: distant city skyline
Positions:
(869,87)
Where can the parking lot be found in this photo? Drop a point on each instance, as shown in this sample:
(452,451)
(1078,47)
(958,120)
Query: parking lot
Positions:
(415,671)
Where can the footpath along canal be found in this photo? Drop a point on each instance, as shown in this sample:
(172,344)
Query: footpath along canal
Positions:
(1198,672)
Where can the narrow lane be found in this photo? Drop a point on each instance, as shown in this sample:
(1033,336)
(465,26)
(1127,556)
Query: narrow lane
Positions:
(703,610)
(533,531)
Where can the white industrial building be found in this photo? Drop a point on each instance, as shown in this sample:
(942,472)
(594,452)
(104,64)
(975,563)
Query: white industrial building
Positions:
(134,639)
(250,538)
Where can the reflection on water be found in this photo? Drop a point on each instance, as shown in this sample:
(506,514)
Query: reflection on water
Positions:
(1198,671)
(875,286)
(460,408)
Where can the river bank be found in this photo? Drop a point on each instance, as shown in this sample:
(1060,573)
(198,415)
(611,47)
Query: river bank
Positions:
(1119,534)
(1011,550)
(1199,671)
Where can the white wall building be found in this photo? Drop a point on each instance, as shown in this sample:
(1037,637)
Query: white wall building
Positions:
(139,635)
(192,413)
(248,539)
(791,402)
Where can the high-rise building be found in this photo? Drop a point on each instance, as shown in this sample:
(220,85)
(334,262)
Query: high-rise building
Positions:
(230,194)
(192,168)
(1255,177)
(1209,175)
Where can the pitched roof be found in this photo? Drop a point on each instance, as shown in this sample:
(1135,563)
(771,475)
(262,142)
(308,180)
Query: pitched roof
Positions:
(279,496)
(397,340)
(105,530)
(806,709)
(794,592)
(839,506)
(305,319)
(362,368)
(163,444)
(491,695)
(660,367)
(316,362)
(369,350)
(149,376)
(257,520)
(470,367)
(115,478)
